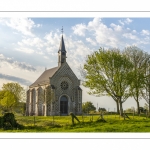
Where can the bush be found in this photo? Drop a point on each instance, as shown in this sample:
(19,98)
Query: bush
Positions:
(8,121)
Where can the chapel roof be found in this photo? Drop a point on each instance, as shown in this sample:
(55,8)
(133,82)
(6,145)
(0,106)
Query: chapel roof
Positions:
(62,45)
(44,78)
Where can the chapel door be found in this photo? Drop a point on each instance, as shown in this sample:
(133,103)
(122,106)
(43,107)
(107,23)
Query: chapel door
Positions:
(63,105)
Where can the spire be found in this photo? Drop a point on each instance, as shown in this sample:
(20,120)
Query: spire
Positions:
(62,44)
(62,30)
(62,51)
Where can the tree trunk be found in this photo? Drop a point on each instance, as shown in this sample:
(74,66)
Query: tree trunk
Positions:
(138,110)
(121,110)
(117,103)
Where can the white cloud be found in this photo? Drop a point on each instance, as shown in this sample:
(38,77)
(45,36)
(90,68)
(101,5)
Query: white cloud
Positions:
(25,50)
(103,34)
(128,21)
(23,25)
(130,36)
(40,53)
(52,42)
(121,22)
(116,27)
(36,42)
(39,25)
(145,32)
(91,41)
(46,57)
(79,29)
(134,31)
(94,23)
(52,38)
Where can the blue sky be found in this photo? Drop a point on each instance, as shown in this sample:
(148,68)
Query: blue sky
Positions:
(29,45)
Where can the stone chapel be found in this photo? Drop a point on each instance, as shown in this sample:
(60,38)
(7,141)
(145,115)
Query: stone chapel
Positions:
(57,91)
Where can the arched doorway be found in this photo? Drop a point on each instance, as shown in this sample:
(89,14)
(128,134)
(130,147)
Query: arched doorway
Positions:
(63,105)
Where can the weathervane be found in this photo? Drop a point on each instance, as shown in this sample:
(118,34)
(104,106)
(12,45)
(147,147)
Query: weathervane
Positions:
(62,30)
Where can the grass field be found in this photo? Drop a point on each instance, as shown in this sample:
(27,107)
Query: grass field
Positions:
(113,123)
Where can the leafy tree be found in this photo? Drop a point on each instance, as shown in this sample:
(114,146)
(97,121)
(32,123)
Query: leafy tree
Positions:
(130,110)
(139,60)
(8,100)
(107,72)
(146,107)
(87,107)
(101,109)
(142,109)
(11,95)
(146,90)
(21,108)
(16,89)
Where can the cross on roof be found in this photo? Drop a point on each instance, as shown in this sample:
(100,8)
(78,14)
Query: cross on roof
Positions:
(62,30)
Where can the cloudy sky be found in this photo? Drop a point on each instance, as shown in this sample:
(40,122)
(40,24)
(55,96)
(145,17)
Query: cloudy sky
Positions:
(29,45)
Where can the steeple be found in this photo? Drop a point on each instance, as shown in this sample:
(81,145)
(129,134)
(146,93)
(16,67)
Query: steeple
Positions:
(62,51)
(62,45)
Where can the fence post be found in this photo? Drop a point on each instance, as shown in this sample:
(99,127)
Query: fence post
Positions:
(140,113)
(34,120)
(146,114)
(82,118)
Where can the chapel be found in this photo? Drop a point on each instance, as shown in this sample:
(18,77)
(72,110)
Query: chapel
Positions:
(57,91)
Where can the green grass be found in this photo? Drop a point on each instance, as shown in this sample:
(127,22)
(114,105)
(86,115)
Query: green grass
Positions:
(113,123)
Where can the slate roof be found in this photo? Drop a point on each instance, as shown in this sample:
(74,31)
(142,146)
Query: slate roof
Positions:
(62,45)
(44,78)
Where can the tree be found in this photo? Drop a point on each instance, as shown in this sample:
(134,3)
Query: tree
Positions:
(142,109)
(88,106)
(8,100)
(146,90)
(130,110)
(16,89)
(11,95)
(101,109)
(146,107)
(21,108)
(139,60)
(107,72)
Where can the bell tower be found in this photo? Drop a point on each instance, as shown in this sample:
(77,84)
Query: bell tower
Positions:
(62,51)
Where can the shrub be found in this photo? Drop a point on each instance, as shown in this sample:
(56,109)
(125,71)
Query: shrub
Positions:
(8,121)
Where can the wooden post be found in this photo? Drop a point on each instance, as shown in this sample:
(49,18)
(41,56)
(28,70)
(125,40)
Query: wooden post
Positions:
(124,114)
(140,113)
(146,114)
(34,120)
(111,113)
(73,117)
(82,118)
(133,113)
(53,119)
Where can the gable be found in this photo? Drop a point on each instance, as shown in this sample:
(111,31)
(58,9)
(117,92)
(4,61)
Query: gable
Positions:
(64,71)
